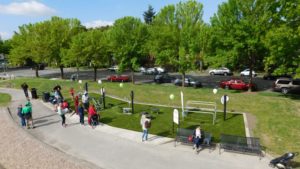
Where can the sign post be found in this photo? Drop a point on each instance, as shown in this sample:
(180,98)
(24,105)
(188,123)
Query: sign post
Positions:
(132,98)
(224,100)
(175,118)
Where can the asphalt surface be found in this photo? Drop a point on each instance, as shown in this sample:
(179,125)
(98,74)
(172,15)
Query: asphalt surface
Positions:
(204,78)
(113,148)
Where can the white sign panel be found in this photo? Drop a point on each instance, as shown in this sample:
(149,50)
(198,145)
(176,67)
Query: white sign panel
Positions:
(176,116)
(223,98)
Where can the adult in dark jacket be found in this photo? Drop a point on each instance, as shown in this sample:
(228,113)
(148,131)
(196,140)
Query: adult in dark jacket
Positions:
(81,113)
(25,89)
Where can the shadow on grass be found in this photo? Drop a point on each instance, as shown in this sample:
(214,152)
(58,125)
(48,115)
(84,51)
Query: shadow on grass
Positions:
(106,120)
(232,116)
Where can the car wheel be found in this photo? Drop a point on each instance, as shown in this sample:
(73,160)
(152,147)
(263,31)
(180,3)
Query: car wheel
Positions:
(225,74)
(284,90)
(212,73)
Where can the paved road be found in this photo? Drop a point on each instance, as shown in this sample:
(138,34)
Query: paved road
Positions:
(206,80)
(113,148)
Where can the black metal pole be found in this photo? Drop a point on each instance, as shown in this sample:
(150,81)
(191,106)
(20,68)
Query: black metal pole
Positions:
(225,101)
(86,86)
(103,98)
(132,98)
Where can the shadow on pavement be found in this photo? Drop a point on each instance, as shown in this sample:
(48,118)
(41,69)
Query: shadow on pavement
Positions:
(45,124)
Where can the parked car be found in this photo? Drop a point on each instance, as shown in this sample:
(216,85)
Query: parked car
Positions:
(271,76)
(142,69)
(118,78)
(188,82)
(164,78)
(237,84)
(287,85)
(220,71)
(160,70)
(113,68)
(154,71)
(246,72)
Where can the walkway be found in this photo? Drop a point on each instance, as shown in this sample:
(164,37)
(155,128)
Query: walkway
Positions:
(113,148)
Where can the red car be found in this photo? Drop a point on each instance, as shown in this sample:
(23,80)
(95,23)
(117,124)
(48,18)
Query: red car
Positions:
(237,84)
(118,78)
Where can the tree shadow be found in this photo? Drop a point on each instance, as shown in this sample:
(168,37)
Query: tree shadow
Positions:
(106,120)
(44,116)
(46,124)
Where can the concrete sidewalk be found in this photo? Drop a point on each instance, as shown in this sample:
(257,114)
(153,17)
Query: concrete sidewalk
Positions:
(114,148)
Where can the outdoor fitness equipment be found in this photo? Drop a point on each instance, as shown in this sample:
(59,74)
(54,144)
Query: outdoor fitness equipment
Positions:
(200,107)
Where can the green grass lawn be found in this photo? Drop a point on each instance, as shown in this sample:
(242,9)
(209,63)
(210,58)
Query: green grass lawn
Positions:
(162,121)
(4,99)
(277,117)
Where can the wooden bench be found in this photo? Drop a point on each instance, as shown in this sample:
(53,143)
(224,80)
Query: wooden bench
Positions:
(240,144)
(183,135)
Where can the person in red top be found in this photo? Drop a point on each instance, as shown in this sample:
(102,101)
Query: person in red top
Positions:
(76,103)
(91,111)
(72,92)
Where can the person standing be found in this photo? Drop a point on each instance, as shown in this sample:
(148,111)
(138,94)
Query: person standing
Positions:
(25,89)
(27,114)
(85,100)
(76,103)
(72,92)
(81,113)
(146,124)
(62,115)
(91,112)
(19,111)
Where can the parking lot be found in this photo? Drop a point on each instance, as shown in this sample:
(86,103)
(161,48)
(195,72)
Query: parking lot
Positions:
(204,78)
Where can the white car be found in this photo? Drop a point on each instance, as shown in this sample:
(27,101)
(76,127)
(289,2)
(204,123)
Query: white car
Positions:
(220,71)
(113,68)
(246,72)
(160,70)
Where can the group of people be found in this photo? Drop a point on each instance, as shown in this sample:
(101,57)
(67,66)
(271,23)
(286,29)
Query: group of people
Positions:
(81,106)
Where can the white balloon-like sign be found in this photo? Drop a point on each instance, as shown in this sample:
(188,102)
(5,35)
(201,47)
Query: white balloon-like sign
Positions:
(215,91)
(80,81)
(172,96)
(99,81)
(121,84)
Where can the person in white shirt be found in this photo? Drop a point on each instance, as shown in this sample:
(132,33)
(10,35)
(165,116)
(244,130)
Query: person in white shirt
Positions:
(197,138)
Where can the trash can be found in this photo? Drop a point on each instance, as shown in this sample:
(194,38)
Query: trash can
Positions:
(33,93)
(46,96)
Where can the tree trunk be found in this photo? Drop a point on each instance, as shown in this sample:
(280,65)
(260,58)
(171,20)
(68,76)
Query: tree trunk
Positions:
(95,73)
(37,71)
(183,79)
(132,76)
(61,71)
(250,73)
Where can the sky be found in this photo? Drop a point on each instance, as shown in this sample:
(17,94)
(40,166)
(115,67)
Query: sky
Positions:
(91,13)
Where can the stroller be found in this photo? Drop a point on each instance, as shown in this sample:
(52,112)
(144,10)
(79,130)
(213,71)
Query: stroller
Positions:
(94,120)
(283,161)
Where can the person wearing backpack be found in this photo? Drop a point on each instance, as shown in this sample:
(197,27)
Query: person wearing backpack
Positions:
(146,124)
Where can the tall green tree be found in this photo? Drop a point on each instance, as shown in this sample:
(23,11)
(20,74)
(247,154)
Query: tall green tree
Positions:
(128,36)
(29,43)
(283,40)
(240,26)
(175,34)
(149,15)
(59,38)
